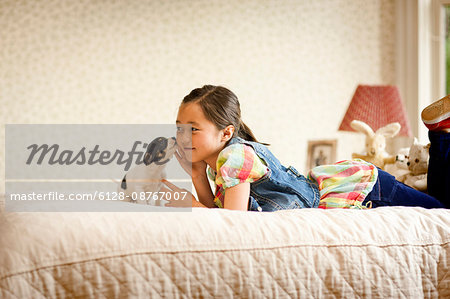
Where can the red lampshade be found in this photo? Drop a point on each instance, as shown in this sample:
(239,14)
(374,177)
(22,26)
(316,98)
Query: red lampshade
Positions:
(377,106)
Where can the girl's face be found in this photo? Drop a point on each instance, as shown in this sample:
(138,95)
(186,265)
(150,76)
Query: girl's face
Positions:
(207,140)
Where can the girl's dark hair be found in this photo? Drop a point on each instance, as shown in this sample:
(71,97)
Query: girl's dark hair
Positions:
(221,106)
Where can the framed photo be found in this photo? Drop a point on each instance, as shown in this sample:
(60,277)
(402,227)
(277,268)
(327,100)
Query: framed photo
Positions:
(321,152)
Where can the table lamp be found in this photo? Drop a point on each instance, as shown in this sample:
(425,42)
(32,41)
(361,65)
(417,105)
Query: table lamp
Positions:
(377,106)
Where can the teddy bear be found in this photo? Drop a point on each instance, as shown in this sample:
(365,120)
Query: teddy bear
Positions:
(400,167)
(418,166)
(376,142)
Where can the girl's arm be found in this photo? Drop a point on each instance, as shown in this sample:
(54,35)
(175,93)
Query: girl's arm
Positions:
(190,201)
(197,171)
(237,197)
(204,193)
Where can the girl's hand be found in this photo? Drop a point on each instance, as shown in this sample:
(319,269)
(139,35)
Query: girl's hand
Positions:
(193,169)
(183,201)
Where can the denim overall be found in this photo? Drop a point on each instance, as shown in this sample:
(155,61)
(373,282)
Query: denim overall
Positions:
(280,188)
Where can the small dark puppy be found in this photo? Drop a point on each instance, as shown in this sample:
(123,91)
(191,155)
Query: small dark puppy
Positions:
(147,176)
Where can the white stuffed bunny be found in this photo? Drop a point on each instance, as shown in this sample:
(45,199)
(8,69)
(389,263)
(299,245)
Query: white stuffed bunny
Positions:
(376,142)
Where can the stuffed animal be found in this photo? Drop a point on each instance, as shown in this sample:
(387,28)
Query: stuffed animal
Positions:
(418,166)
(376,142)
(399,168)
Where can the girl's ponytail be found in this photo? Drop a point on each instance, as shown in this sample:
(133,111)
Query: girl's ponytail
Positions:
(245,133)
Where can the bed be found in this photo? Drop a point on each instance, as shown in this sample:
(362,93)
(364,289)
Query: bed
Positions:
(389,252)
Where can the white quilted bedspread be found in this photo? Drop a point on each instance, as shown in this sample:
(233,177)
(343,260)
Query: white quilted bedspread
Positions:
(390,252)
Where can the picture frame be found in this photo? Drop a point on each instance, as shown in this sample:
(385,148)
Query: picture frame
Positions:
(321,152)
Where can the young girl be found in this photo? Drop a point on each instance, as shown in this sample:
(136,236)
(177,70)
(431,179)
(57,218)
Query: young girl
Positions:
(249,177)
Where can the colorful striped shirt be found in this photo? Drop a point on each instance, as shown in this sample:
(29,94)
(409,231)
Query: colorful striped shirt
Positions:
(236,163)
(344,184)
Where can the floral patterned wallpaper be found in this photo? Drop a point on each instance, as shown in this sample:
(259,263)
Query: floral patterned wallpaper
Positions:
(293,64)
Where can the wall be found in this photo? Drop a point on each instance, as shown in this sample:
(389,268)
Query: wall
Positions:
(293,64)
